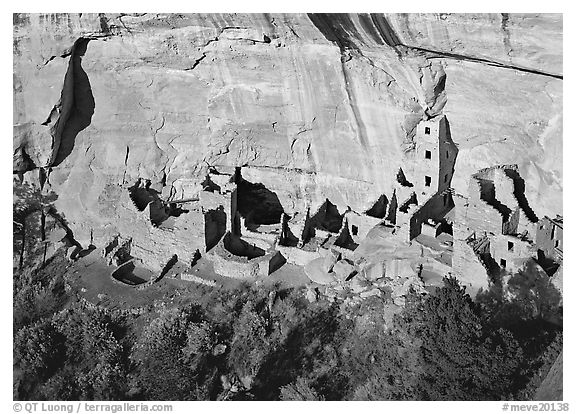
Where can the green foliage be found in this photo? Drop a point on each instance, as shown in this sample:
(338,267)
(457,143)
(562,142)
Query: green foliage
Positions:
(306,344)
(541,366)
(63,384)
(380,363)
(38,295)
(528,295)
(37,350)
(460,359)
(269,344)
(173,356)
(28,204)
(300,390)
(250,344)
(80,347)
(529,306)
(27,198)
(93,347)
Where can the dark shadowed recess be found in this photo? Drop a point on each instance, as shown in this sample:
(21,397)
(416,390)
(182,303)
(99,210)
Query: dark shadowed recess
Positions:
(340,29)
(214,226)
(328,218)
(160,211)
(142,196)
(82,107)
(548,264)
(488,194)
(239,247)
(378,210)
(257,204)
(337,28)
(23,161)
(519,193)
(345,239)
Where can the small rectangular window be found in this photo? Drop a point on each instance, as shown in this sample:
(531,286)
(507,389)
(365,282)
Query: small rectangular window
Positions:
(427,181)
(552,233)
(503,262)
(428,155)
(354,230)
(446,178)
(447,155)
(510,246)
(427,130)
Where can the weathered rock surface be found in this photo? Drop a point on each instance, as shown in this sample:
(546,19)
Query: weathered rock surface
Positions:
(552,388)
(315,272)
(312,106)
(330,260)
(343,270)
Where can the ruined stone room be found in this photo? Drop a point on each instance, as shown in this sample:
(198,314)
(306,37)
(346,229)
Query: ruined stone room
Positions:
(313,207)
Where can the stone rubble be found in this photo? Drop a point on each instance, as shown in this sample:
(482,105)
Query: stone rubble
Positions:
(373,169)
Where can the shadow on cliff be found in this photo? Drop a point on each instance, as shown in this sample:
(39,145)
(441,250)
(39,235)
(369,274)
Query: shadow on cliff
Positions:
(342,30)
(520,194)
(82,107)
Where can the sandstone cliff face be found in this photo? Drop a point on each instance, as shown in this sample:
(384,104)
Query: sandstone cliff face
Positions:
(312,106)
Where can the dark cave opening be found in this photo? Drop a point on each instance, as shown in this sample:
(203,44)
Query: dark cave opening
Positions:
(257,204)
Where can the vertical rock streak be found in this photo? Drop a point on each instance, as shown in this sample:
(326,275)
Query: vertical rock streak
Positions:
(506,33)
(323,24)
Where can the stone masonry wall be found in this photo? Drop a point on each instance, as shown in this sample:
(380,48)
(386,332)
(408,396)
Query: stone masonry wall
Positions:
(511,249)
(471,273)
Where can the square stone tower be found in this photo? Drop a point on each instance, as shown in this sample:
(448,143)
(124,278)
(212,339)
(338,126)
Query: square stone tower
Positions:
(433,158)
